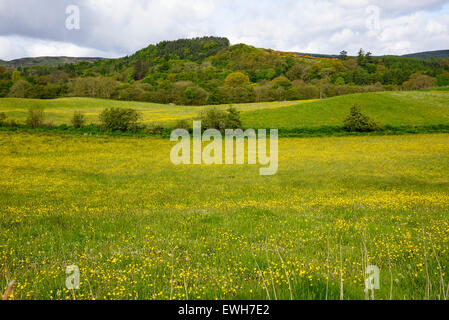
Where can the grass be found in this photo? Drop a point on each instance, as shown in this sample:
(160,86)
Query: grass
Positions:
(60,111)
(140,228)
(396,109)
(389,108)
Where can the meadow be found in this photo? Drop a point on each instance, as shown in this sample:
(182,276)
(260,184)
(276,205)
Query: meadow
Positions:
(60,111)
(408,108)
(139,227)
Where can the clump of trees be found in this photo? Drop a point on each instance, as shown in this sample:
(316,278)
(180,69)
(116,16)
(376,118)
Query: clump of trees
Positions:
(208,71)
(120,119)
(214,118)
(359,122)
(420,81)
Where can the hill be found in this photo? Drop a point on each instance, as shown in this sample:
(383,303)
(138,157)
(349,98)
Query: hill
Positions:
(208,70)
(389,108)
(60,111)
(45,61)
(440,54)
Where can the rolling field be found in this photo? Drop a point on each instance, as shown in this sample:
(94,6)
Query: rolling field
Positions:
(390,108)
(140,228)
(60,111)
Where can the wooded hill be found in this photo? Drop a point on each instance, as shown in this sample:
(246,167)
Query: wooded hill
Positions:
(209,70)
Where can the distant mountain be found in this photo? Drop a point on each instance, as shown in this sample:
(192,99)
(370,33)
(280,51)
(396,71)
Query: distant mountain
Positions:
(44,61)
(429,54)
(421,55)
(318,55)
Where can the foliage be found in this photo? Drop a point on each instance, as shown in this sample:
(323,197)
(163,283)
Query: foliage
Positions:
(217,73)
(214,118)
(120,119)
(358,122)
(36,118)
(420,81)
(236,79)
(3,118)
(78,120)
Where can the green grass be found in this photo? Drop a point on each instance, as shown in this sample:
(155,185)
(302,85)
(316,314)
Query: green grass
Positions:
(60,111)
(416,108)
(389,108)
(139,227)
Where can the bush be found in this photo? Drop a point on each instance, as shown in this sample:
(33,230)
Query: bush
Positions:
(358,122)
(118,119)
(234,121)
(35,118)
(214,118)
(2,118)
(182,124)
(78,120)
(155,129)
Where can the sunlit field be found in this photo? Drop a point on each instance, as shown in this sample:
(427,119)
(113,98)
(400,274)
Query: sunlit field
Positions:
(140,228)
(60,111)
(412,108)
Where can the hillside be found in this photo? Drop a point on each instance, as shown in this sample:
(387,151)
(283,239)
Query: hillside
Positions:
(208,70)
(60,111)
(389,108)
(440,54)
(45,61)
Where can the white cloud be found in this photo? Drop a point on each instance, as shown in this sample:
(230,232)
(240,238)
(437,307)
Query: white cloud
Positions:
(14,46)
(117,27)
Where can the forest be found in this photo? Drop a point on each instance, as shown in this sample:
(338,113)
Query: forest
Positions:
(208,71)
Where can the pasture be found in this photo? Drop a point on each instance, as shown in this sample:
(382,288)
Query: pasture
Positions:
(414,108)
(139,227)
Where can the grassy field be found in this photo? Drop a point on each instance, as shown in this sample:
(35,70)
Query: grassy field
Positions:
(389,108)
(60,111)
(140,228)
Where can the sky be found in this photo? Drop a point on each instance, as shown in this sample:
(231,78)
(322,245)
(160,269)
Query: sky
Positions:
(115,28)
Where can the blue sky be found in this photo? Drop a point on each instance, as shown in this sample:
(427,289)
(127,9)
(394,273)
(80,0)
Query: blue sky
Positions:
(113,28)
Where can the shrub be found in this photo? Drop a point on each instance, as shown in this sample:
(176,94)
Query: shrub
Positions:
(119,119)
(358,122)
(420,81)
(35,118)
(182,124)
(237,79)
(2,118)
(234,121)
(214,118)
(78,120)
(155,128)
(21,89)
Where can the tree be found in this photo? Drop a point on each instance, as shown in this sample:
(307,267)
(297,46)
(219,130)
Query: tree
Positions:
(420,81)
(118,119)
(344,55)
(2,117)
(358,122)
(234,121)
(361,58)
(20,89)
(35,118)
(237,79)
(16,76)
(78,120)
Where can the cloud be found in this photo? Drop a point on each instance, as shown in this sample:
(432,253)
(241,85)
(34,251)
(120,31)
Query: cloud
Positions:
(116,27)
